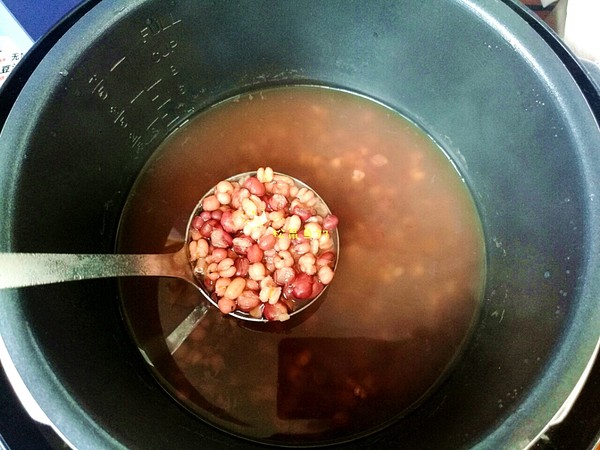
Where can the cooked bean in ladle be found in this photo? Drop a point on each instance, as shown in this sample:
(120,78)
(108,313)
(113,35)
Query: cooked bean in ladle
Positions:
(260,246)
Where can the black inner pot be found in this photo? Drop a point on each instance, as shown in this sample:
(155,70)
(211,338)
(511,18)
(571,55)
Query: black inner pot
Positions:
(472,74)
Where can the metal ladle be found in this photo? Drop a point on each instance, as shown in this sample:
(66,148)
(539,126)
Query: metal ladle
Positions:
(33,269)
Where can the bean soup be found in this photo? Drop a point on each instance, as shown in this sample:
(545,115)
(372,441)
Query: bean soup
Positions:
(407,286)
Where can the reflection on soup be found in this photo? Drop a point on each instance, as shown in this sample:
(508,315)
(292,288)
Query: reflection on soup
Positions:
(407,287)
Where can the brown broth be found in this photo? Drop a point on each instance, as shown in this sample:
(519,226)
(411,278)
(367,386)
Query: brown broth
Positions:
(399,310)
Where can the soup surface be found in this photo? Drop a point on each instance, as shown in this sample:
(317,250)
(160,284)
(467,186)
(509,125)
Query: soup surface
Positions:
(399,310)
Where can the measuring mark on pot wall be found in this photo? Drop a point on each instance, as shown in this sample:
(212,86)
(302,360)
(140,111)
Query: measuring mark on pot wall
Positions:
(163,94)
(155,26)
(112,69)
(496,313)
(164,51)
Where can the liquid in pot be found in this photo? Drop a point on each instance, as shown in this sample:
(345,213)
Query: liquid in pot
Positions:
(407,287)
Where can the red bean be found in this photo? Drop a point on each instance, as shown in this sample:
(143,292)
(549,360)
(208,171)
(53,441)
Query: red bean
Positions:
(317,288)
(218,255)
(209,226)
(216,214)
(200,250)
(278,202)
(277,218)
(313,230)
(220,238)
(293,224)
(254,186)
(306,196)
(314,247)
(288,289)
(212,271)
(227,222)
(194,234)
(248,300)
(269,260)
(226,268)
(257,312)
(267,242)
(303,212)
(257,271)
(226,305)
(206,229)
(252,285)
(255,253)
(283,242)
(235,288)
(238,196)
(300,237)
(325,259)
(265,199)
(210,203)
(283,259)
(302,286)
(278,187)
(277,311)
(224,187)
(221,285)
(264,174)
(302,248)
(224,198)
(284,275)
(250,207)
(270,294)
(325,274)
(197,222)
(330,222)
(241,265)
(238,219)
(209,284)
(242,244)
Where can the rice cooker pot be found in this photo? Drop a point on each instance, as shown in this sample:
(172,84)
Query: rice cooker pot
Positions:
(511,106)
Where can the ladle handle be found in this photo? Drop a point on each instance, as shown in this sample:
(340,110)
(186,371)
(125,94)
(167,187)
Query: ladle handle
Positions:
(32,269)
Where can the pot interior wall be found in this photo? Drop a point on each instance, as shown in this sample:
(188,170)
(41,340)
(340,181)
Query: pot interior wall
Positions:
(129,73)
